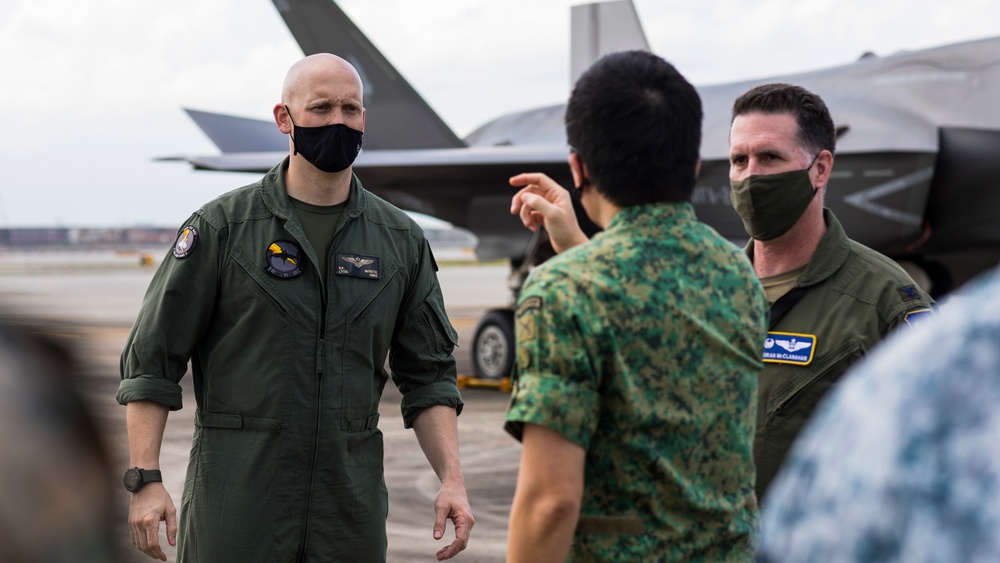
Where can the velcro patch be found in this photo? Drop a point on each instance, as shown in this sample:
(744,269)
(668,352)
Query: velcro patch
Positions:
(283,259)
(533,302)
(789,348)
(918,316)
(908,293)
(357,266)
(186,239)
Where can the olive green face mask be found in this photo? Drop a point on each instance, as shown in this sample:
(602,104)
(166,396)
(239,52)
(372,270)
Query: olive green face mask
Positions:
(771,204)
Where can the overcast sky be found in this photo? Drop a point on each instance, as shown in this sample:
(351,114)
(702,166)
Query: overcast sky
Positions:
(91,91)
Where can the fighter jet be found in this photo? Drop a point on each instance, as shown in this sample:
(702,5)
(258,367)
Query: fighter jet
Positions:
(918,145)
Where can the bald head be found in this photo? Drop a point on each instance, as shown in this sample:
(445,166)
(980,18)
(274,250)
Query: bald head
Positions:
(321,89)
(318,69)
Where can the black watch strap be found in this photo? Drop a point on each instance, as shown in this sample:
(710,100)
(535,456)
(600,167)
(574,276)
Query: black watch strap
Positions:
(136,478)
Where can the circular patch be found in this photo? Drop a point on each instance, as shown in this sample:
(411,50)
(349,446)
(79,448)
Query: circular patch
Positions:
(284,259)
(185,242)
(523,358)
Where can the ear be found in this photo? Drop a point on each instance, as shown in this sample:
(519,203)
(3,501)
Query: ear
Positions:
(363,113)
(581,176)
(281,118)
(697,168)
(822,169)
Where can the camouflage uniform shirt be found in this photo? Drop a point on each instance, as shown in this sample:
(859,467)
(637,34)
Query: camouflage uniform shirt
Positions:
(901,461)
(643,347)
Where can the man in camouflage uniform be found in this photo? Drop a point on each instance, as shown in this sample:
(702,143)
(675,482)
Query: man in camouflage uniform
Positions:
(638,352)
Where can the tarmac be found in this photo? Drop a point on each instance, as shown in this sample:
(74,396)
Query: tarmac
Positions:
(91,298)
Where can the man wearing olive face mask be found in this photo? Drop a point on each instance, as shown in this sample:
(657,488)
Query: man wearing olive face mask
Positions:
(832,299)
(287,296)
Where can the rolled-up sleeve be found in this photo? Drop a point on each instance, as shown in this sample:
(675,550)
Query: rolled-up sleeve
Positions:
(174,313)
(421,359)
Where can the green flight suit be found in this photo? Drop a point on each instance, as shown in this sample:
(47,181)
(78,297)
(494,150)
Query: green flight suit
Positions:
(852,297)
(288,366)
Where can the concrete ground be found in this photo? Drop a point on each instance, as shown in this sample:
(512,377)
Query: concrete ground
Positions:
(92,300)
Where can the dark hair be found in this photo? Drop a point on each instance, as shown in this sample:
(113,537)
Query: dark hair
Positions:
(815,126)
(636,124)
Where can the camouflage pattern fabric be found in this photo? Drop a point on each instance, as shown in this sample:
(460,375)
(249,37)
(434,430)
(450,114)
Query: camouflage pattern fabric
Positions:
(901,461)
(643,347)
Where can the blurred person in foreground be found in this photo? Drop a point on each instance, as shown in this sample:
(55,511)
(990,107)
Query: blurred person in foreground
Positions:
(287,296)
(901,462)
(56,501)
(637,352)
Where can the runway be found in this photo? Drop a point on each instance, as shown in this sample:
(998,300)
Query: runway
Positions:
(92,299)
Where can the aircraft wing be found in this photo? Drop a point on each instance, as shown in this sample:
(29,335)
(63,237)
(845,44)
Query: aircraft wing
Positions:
(467,187)
(234,134)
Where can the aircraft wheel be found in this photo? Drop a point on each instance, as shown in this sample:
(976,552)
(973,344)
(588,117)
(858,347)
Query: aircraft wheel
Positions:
(493,344)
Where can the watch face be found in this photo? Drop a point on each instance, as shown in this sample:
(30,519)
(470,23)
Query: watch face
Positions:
(133,480)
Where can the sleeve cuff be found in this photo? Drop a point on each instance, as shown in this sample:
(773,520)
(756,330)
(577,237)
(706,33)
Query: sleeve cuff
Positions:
(150,388)
(555,403)
(440,393)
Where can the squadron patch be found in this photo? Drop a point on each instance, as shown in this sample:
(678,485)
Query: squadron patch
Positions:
(185,242)
(908,293)
(789,348)
(918,316)
(357,266)
(284,259)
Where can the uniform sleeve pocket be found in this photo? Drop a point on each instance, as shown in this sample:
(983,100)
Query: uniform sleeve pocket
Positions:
(436,329)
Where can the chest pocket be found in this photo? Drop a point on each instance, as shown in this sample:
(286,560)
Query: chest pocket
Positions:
(267,285)
(802,387)
(367,335)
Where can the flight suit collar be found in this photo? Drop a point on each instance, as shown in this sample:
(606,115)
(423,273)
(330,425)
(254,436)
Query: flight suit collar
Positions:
(275,193)
(832,252)
(830,255)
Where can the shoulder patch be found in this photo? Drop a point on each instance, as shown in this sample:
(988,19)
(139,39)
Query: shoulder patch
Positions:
(908,292)
(789,348)
(186,240)
(918,316)
(529,303)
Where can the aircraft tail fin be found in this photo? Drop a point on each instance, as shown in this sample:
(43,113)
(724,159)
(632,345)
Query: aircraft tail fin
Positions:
(239,134)
(601,28)
(398,117)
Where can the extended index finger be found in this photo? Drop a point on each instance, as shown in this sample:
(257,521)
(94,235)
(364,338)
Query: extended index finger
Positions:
(526,178)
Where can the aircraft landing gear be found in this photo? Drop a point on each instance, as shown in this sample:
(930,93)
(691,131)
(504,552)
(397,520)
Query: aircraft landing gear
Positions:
(493,344)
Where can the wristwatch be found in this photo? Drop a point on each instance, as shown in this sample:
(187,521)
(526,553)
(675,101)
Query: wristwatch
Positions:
(136,478)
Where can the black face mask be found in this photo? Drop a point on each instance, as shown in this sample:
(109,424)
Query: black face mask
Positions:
(331,148)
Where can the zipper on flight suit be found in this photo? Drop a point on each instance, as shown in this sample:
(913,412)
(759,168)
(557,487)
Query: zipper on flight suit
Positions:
(320,364)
